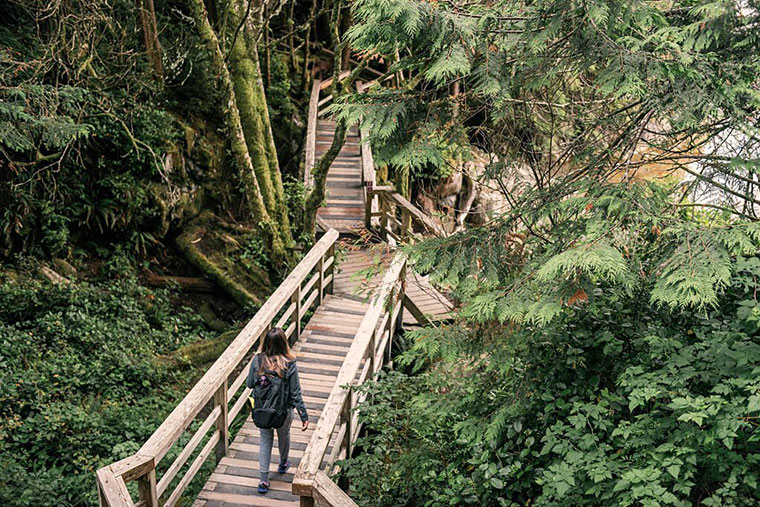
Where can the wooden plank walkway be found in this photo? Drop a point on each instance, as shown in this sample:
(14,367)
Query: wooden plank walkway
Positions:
(326,339)
(323,345)
(321,350)
(344,207)
(359,273)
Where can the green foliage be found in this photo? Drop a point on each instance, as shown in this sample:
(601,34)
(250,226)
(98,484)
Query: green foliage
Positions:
(80,386)
(616,402)
(624,236)
(86,133)
(565,91)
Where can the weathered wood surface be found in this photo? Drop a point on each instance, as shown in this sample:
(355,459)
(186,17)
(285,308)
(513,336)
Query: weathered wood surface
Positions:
(288,303)
(321,351)
(344,205)
(327,493)
(335,424)
(311,132)
(360,272)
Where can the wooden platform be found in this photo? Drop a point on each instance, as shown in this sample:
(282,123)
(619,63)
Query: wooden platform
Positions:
(320,351)
(326,339)
(357,275)
(344,207)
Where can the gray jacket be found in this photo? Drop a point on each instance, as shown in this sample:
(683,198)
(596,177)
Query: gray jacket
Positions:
(295,398)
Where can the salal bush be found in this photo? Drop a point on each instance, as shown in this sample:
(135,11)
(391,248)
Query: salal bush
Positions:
(81,382)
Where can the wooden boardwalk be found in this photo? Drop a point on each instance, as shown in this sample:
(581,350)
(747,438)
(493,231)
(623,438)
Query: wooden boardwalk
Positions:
(359,295)
(344,207)
(321,349)
(359,273)
(327,337)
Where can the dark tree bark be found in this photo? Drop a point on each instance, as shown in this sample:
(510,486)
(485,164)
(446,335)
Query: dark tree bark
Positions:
(149,28)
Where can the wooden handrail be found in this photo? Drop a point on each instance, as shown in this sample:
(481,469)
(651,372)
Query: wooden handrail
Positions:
(370,346)
(289,302)
(311,133)
(368,170)
(397,216)
(327,493)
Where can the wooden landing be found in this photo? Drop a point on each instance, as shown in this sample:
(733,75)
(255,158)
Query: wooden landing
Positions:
(321,350)
(344,207)
(351,284)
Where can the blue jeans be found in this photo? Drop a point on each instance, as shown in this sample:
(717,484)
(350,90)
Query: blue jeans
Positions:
(266,442)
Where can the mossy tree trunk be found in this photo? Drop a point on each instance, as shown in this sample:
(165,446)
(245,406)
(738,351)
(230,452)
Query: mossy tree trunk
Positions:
(246,119)
(245,70)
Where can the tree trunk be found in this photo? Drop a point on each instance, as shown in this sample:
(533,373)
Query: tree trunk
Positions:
(307,45)
(254,116)
(291,36)
(231,115)
(149,28)
(317,195)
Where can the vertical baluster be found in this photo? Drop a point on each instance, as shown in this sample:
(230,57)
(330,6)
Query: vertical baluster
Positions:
(384,211)
(297,313)
(220,400)
(321,280)
(389,328)
(401,295)
(146,489)
(331,269)
(372,353)
(406,224)
(368,204)
(347,418)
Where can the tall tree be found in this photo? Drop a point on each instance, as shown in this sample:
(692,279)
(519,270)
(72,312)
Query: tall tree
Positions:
(247,120)
(149,27)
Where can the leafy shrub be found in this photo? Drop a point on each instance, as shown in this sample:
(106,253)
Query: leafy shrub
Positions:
(615,403)
(80,386)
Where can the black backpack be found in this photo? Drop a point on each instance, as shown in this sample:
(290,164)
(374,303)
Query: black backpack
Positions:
(270,400)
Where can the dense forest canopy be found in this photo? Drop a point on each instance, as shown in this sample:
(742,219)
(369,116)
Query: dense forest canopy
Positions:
(595,166)
(606,349)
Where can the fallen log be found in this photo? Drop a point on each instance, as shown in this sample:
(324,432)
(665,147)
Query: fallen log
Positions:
(192,284)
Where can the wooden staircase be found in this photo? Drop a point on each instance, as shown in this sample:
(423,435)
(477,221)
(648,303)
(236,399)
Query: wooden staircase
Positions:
(344,206)
(340,313)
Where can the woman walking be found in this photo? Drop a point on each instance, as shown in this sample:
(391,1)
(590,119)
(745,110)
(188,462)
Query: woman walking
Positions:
(275,358)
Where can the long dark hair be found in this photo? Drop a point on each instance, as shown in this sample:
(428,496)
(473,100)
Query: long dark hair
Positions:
(274,351)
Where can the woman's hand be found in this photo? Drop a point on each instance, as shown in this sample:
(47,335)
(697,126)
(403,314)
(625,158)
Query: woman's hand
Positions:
(304,425)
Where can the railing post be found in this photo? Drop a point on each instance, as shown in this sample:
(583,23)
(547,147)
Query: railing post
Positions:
(401,292)
(220,400)
(297,314)
(346,415)
(321,280)
(368,196)
(146,488)
(331,269)
(307,501)
(406,224)
(372,352)
(384,211)
(389,330)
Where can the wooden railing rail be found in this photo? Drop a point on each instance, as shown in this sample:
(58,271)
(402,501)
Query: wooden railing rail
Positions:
(368,170)
(370,349)
(397,217)
(311,132)
(329,494)
(304,288)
